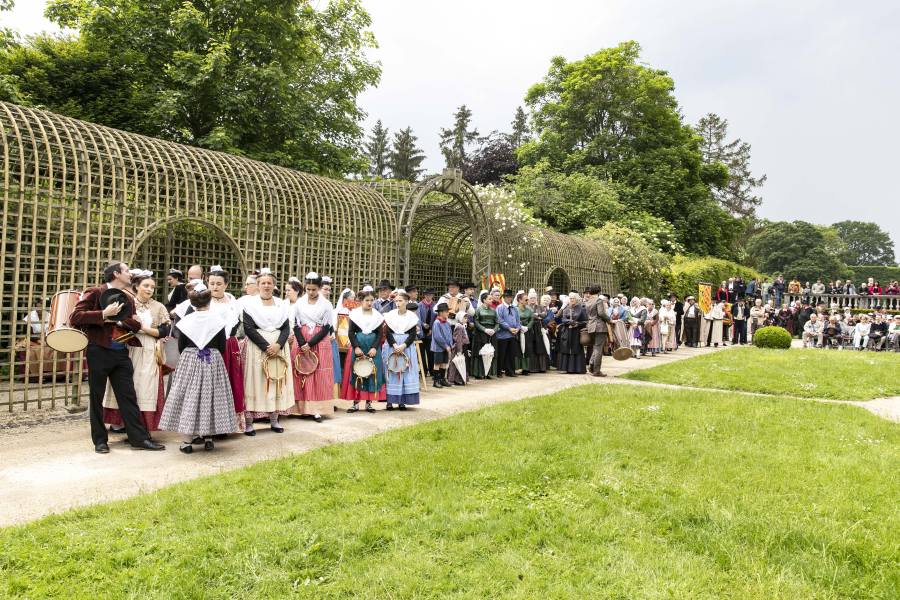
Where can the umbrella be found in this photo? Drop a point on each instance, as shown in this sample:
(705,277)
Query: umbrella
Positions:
(487,356)
(546,340)
(522,341)
(460,361)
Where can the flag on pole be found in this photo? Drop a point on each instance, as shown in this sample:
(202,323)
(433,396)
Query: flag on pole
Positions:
(705,293)
(489,281)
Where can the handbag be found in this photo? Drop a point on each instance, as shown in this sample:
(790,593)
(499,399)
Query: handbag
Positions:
(585,337)
(664,328)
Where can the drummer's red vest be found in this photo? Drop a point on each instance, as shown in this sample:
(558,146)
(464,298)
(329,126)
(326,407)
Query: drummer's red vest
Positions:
(89,317)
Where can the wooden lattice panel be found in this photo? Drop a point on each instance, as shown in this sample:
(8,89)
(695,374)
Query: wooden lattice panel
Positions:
(77,196)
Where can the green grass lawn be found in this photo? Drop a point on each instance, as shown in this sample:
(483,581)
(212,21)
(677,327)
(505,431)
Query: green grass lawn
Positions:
(597,492)
(831,374)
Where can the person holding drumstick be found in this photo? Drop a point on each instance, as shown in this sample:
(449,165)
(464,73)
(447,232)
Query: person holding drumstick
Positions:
(108,359)
(366,334)
(400,334)
(148,378)
(266,324)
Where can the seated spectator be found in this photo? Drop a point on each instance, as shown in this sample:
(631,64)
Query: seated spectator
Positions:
(831,333)
(894,333)
(860,336)
(806,291)
(813,330)
(878,333)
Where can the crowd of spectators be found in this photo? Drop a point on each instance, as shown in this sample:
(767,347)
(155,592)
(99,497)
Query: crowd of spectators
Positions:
(822,316)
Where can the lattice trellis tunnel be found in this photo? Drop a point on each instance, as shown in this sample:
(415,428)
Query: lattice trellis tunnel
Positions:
(77,196)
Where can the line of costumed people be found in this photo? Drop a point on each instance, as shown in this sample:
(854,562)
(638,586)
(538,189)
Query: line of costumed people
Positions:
(288,360)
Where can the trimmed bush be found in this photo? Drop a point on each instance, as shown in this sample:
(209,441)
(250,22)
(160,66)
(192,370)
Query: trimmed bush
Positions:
(868,311)
(682,275)
(882,274)
(772,337)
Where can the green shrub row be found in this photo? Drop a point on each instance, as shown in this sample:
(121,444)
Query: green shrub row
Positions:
(682,275)
(868,311)
(884,275)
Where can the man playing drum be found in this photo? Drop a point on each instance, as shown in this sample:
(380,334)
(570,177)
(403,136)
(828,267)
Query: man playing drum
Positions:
(108,359)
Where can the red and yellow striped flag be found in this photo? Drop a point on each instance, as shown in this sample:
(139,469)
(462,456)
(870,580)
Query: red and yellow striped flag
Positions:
(489,281)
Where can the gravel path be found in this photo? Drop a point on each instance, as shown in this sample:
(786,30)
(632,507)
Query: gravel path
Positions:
(49,466)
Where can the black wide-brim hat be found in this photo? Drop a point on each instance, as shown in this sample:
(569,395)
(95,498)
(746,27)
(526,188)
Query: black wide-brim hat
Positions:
(384,284)
(441,306)
(468,285)
(507,293)
(428,290)
(111,296)
(411,287)
(454,281)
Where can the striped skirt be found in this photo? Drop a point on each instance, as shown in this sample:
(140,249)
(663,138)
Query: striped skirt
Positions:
(314,392)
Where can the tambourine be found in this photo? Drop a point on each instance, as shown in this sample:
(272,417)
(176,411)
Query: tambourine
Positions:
(364,367)
(305,365)
(275,368)
(622,353)
(398,362)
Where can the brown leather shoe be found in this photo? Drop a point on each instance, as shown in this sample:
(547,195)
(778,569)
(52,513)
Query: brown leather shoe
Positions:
(598,374)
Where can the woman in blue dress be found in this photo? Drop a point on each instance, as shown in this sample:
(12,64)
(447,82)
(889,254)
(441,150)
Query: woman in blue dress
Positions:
(400,336)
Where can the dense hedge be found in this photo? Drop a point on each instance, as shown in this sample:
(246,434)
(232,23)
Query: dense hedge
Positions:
(772,337)
(683,274)
(868,311)
(884,275)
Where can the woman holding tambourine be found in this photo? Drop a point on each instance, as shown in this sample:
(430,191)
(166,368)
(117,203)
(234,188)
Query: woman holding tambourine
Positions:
(268,380)
(364,381)
(400,350)
(312,329)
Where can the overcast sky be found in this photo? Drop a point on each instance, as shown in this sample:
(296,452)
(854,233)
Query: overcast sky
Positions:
(813,86)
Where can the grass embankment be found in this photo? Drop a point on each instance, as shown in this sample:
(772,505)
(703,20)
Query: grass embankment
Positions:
(598,492)
(829,374)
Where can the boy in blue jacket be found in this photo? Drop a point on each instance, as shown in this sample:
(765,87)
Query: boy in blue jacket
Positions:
(441,341)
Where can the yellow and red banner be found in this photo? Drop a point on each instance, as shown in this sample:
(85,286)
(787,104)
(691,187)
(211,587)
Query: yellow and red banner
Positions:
(489,281)
(705,296)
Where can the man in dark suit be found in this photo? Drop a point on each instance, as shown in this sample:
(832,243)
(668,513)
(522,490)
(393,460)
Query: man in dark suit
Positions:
(678,307)
(108,359)
(598,327)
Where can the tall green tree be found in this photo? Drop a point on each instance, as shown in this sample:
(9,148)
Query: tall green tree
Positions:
(406,157)
(275,80)
(72,77)
(865,244)
(455,139)
(612,117)
(795,250)
(736,196)
(520,133)
(378,150)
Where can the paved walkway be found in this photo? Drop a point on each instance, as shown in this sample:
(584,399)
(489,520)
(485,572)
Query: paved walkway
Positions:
(50,467)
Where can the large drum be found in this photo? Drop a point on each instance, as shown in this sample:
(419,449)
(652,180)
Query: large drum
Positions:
(61,336)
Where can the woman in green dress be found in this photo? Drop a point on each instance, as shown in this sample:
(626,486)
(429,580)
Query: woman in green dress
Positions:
(526,318)
(485,327)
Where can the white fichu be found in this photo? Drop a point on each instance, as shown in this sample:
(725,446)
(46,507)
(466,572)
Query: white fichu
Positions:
(510,215)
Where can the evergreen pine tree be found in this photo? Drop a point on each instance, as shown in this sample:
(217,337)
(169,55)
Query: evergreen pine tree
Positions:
(378,150)
(519,129)
(737,195)
(454,141)
(405,157)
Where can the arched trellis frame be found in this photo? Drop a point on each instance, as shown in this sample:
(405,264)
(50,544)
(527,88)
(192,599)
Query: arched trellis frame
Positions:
(78,195)
(462,216)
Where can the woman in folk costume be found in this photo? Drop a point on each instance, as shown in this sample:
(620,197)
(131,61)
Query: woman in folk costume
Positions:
(485,327)
(460,343)
(637,316)
(325,292)
(618,317)
(651,328)
(716,316)
(366,335)
(526,334)
(200,402)
(226,307)
(540,362)
(667,326)
(267,327)
(342,329)
(313,319)
(148,378)
(293,289)
(571,353)
(400,336)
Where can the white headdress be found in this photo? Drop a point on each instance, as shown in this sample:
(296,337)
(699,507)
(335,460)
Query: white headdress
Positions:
(198,284)
(265,271)
(216,269)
